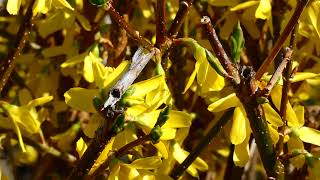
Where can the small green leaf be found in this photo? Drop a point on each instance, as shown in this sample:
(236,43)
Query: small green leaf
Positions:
(156,133)
(118,125)
(215,64)
(163,117)
(237,43)
(97,103)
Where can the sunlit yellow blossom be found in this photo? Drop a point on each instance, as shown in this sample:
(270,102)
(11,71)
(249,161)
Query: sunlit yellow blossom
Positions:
(40,6)
(251,11)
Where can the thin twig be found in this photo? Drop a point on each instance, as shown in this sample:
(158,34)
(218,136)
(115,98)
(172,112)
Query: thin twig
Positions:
(134,34)
(278,72)
(160,22)
(184,8)
(284,98)
(219,50)
(177,172)
(21,40)
(286,32)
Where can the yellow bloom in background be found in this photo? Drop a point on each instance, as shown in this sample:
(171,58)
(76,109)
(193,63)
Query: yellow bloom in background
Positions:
(250,12)
(40,6)
(24,119)
(299,132)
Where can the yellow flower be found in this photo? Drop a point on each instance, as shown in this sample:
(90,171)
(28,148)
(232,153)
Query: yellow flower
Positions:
(24,119)
(40,6)
(299,133)
(207,78)
(240,129)
(251,11)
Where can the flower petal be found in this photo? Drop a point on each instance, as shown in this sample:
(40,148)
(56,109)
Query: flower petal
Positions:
(309,135)
(271,115)
(13,6)
(81,99)
(152,162)
(241,153)
(238,133)
(224,103)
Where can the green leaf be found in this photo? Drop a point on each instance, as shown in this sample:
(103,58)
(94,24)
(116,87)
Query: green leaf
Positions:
(237,43)
(215,64)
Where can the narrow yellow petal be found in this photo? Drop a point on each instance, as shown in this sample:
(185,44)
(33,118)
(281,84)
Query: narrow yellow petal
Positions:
(162,149)
(168,133)
(314,12)
(13,6)
(152,162)
(203,72)
(143,87)
(271,115)
(224,103)
(94,123)
(291,115)
(39,101)
(81,147)
(274,134)
(62,4)
(264,10)
(81,99)
(88,69)
(238,133)
(299,110)
(241,153)
(178,119)
(192,77)
(40,6)
(244,5)
(83,21)
(74,60)
(294,143)
(301,76)
(309,135)
(103,156)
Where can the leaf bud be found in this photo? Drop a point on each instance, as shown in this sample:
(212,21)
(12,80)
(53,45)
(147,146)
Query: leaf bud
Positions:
(155,134)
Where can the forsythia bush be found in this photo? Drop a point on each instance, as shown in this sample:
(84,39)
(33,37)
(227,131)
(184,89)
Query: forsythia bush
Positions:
(154,89)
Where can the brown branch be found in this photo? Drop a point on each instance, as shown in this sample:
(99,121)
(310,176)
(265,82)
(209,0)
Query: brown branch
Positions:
(284,99)
(134,34)
(123,150)
(219,50)
(184,8)
(160,22)
(286,32)
(21,40)
(98,143)
(287,57)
